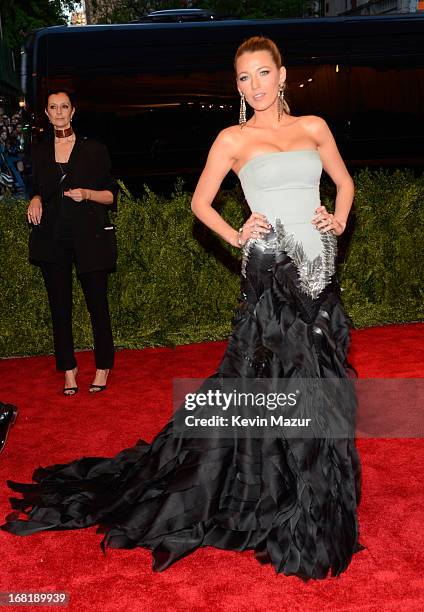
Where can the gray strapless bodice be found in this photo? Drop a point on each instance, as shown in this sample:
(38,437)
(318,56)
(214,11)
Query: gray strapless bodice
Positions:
(284,186)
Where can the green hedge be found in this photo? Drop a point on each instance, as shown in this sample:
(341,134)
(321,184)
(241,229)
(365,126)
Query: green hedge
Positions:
(383,274)
(177,283)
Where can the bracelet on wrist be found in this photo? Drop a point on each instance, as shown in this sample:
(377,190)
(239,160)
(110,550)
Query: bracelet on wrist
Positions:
(239,240)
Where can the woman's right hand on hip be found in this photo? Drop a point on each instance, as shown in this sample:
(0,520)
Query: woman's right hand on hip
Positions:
(34,211)
(255,227)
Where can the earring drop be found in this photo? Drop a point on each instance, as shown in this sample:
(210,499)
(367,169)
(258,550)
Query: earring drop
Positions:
(280,102)
(242,117)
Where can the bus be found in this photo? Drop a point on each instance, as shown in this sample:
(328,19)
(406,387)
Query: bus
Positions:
(158,93)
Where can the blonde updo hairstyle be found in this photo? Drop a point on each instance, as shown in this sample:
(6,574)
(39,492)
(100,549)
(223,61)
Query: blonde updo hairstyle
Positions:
(260,43)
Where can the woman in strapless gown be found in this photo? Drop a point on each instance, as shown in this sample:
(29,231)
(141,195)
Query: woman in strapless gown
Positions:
(292,500)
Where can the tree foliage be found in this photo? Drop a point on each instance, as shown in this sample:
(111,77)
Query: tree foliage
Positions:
(22,16)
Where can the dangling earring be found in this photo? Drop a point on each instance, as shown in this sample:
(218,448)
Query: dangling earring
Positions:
(242,117)
(280,101)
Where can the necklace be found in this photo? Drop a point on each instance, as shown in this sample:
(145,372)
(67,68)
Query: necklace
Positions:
(63,133)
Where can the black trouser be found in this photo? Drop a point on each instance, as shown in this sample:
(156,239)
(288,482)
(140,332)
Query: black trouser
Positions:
(58,280)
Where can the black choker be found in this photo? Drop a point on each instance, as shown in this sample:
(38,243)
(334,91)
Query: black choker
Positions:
(63,133)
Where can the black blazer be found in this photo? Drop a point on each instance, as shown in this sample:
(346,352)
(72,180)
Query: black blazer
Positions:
(94,236)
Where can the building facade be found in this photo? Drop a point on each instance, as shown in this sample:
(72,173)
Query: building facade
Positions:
(369,7)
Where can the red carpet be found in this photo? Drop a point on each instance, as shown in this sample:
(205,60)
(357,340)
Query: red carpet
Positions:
(387,575)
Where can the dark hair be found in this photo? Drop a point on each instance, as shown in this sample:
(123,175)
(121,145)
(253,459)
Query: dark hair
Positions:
(53,92)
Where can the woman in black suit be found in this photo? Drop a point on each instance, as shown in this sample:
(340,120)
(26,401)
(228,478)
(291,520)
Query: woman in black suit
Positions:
(73,192)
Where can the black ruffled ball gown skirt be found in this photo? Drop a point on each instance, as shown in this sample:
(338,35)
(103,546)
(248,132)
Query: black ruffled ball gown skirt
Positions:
(291,500)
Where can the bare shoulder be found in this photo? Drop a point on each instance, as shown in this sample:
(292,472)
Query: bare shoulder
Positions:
(316,126)
(230,136)
(228,142)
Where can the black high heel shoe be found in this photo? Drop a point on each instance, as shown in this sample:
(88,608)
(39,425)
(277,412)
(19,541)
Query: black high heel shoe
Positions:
(73,389)
(8,414)
(98,388)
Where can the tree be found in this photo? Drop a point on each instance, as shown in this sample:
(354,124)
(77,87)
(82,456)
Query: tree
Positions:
(21,16)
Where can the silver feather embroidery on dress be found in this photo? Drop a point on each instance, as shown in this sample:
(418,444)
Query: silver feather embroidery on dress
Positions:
(314,275)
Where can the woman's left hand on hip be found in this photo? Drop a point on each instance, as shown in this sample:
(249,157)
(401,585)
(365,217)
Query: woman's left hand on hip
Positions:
(327,222)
